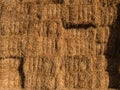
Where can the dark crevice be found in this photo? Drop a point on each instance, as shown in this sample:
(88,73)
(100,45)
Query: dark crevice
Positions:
(29,8)
(113,53)
(48,29)
(38,1)
(1,11)
(21,72)
(78,26)
(38,16)
(58,1)
(56,45)
(20,0)
(13,57)
(20,68)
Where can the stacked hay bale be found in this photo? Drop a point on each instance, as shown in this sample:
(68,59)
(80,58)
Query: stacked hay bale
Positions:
(57,44)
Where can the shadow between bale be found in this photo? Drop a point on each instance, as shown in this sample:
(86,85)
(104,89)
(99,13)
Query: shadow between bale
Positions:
(113,52)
